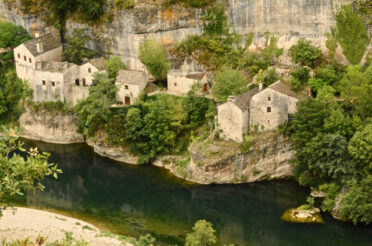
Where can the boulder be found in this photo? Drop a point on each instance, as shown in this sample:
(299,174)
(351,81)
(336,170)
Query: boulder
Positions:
(302,215)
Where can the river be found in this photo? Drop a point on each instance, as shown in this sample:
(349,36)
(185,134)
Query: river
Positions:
(134,200)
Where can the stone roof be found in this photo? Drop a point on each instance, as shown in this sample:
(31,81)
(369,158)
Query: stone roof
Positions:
(99,63)
(283,88)
(243,101)
(53,66)
(197,76)
(189,75)
(49,42)
(132,77)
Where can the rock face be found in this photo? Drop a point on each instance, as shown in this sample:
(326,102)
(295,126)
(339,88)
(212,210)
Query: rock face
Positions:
(301,215)
(57,127)
(289,20)
(222,162)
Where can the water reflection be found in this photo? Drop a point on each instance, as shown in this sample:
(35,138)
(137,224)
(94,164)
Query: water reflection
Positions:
(134,200)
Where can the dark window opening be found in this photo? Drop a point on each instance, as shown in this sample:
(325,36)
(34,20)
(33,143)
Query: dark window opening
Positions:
(268,109)
(175,84)
(269,99)
(19,55)
(43,82)
(53,83)
(29,59)
(89,70)
(126,87)
(268,121)
(77,82)
(25,58)
(84,82)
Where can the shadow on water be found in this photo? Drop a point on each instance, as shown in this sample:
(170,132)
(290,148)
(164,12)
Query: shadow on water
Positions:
(133,200)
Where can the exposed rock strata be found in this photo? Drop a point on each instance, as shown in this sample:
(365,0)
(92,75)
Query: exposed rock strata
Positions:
(56,127)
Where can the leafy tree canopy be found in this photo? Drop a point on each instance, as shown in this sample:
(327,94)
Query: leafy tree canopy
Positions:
(203,234)
(10,37)
(229,82)
(113,65)
(360,148)
(305,53)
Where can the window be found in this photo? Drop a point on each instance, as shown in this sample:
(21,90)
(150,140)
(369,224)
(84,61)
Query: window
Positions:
(127,100)
(175,84)
(269,99)
(77,82)
(43,82)
(30,60)
(268,109)
(24,58)
(19,56)
(84,82)
(53,83)
(126,87)
(89,70)
(268,122)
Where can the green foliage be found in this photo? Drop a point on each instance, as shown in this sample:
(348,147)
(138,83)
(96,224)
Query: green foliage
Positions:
(305,53)
(356,204)
(75,49)
(124,4)
(94,111)
(351,33)
(152,55)
(146,240)
(113,65)
(268,77)
(247,143)
(339,122)
(12,92)
(331,191)
(203,234)
(299,78)
(50,107)
(331,44)
(356,87)
(215,20)
(20,174)
(365,7)
(190,3)
(10,37)
(229,82)
(360,148)
(326,93)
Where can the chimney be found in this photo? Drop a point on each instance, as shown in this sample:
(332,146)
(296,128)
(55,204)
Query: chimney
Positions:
(260,86)
(231,99)
(39,46)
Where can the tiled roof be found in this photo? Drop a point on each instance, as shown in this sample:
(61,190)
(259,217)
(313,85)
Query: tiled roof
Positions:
(243,101)
(197,76)
(99,63)
(283,88)
(49,42)
(132,77)
(53,66)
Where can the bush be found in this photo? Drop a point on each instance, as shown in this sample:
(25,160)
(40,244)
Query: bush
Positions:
(229,82)
(305,53)
(10,37)
(247,143)
(113,65)
(190,3)
(203,234)
(124,4)
(215,20)
(268,77)
(299,78)
(152,55)
(352,34)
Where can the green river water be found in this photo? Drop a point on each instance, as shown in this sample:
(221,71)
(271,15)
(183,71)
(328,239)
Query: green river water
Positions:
(134,200)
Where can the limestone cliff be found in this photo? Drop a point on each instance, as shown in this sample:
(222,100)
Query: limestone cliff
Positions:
(288,19)
(223,162)
(56,127)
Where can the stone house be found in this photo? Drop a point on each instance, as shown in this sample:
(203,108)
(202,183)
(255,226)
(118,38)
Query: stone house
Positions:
(256,110)
(181,82)
(130,85)
(39,62)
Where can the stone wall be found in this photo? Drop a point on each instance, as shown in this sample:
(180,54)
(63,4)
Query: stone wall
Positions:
(288,19)
(56,127)
(232,122)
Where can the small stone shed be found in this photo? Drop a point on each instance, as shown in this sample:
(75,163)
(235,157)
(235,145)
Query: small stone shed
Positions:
(131,84)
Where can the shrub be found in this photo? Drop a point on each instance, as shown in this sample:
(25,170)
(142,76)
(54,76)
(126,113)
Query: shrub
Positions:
(124,4)
(229,82)
(352,34)
(190,3)
(10,37)
(268,77)
(152,55)
(299,78)
(113,65)
(203,234)
(247,143)
(215,20)
(305,53)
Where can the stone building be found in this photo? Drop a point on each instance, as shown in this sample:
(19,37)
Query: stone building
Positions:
(257,109)
(181,82)
(39,62)
(130,85)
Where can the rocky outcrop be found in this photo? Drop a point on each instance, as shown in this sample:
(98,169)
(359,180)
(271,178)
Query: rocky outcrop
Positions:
(222,162)
(289,20)
(114,153)
(302,215)
(56,127)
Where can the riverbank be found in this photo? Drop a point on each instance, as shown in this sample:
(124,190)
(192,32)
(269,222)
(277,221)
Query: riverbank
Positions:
(29,223)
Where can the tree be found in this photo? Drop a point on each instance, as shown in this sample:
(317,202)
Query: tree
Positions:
(326,93)
(339,122)
(12,91)
(20,174)
(356,87)
(305,53)
(356,204)
(268,77)
(299,78)
(75,49)
(113,65)
(94,111)
(152,55)
(360,148)
(195,106)
(215,20)
(203,234)
(352,34)
(10,37)
(229,82)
